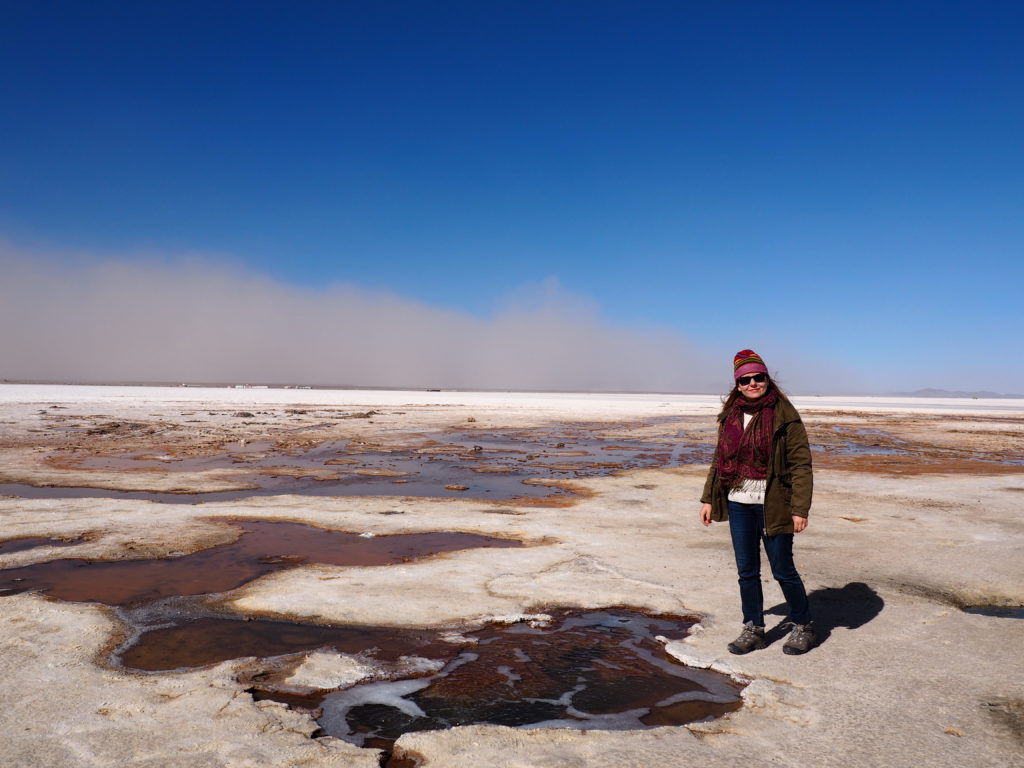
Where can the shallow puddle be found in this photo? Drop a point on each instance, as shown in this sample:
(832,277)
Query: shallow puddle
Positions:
(861,442)
(263,547)
(201,642)
(500,465)
(563,451)
(31,542)
(858,449)
(586,670)
(429,484)
(999,611)
(24,491)
(592,670)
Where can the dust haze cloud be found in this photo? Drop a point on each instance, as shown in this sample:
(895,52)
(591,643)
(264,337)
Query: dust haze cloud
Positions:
(199,321)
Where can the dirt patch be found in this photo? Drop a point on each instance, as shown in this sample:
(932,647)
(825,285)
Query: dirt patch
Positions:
(1009,713)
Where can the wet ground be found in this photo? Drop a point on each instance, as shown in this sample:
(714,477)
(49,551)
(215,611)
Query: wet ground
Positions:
(599,669)
(31,542)
(590,670)
(486,464)
(327,453)
(586,670)
(187,643)
(999,611)
(261,548)
(529,466)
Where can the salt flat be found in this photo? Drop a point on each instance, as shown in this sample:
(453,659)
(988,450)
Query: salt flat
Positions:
(556,402)
(917,515)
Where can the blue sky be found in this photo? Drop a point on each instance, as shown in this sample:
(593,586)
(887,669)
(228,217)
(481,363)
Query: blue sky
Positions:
(834,182)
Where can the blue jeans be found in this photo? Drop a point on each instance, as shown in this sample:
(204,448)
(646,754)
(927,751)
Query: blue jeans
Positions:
(746,524)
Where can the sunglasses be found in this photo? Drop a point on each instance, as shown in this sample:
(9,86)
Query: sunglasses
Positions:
(760,378)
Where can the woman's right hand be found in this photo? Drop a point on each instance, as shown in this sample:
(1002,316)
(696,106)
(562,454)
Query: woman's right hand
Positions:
(705,514)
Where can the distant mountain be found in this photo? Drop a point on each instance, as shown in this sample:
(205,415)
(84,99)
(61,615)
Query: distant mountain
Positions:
(930,392)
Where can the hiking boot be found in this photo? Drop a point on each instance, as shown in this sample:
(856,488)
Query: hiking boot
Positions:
(751,639)
(800,640)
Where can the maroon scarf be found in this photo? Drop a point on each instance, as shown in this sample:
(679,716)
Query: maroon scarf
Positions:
(744,453)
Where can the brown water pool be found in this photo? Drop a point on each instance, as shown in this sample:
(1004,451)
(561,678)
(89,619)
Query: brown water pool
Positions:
(581,669)
(262,547)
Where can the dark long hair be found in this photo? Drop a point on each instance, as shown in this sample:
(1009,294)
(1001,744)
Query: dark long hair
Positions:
(730,399)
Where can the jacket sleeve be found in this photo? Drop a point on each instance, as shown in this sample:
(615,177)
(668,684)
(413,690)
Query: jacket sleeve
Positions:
(705,496)
(709,484)
(798,463)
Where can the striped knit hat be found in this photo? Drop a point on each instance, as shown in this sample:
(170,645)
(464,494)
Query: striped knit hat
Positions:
(746,362)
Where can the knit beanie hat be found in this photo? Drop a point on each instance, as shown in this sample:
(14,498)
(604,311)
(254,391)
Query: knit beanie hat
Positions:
(746,362)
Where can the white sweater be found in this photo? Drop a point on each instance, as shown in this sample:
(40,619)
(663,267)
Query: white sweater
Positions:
(749,491)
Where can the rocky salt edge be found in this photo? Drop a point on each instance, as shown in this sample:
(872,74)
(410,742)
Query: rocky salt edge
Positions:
(932,685)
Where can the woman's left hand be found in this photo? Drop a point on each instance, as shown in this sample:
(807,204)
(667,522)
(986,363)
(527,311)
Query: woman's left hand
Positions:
(799,523)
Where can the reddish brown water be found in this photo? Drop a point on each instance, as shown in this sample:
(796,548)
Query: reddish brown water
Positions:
(263,547)
(202,642)
(31,542)
(594,669)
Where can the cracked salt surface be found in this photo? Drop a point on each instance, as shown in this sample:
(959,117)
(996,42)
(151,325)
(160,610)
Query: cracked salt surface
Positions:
(917,651)
(594,670)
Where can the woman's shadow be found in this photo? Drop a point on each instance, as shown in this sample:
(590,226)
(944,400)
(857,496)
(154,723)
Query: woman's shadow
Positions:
(851,606)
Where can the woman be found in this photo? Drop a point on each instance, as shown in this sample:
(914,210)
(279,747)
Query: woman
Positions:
(760,481)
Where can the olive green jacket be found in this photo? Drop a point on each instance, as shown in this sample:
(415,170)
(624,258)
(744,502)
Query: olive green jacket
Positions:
(790,482)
